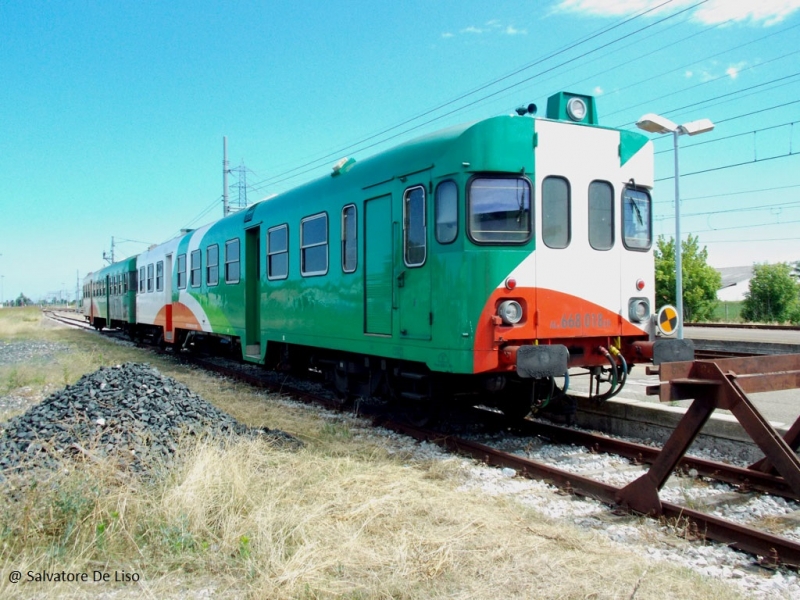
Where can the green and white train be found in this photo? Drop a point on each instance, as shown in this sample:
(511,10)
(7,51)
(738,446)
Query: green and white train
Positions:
(478,260)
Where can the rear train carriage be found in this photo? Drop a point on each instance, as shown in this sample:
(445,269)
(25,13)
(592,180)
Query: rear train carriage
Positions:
(109,296)
(494,254)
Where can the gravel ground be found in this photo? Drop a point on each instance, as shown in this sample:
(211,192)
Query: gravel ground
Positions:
(29,352)
(26,353)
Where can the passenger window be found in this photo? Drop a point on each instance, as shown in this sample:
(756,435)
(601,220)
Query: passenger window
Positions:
(150,277)
(314,245)
(232,261)
(414,229)
(160,276)
(556,228)
(181,271)
(195,274)
(500,210)
(278,252)
(446,212)
(601,215)
(637,224)
(141,280)
(349,239)
(212,265)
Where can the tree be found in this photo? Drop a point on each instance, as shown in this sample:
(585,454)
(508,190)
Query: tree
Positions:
(773,295)
(700,280)
(22,300)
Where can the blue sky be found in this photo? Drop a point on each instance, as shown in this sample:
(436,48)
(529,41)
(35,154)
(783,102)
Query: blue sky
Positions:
(113,113)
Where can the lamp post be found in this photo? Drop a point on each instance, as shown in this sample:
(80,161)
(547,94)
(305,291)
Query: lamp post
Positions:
(657,124)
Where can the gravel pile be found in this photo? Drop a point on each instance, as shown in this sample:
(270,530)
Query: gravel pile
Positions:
(130,412)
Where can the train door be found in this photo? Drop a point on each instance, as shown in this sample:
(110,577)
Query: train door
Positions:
(378,266)
(577,253)
(166,275)
(252,289)
(107,296)
(413,276)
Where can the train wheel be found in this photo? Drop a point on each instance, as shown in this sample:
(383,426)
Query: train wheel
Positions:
(421,414)
(341,382)
(516,399)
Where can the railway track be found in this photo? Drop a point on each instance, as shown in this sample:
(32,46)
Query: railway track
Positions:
(76,321)
(632,460)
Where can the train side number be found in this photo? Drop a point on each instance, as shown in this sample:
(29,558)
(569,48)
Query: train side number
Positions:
(578,320)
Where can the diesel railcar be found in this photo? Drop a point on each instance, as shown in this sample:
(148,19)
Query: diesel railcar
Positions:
(477,260)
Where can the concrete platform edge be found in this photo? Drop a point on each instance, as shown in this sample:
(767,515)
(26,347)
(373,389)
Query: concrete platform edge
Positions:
(655,422)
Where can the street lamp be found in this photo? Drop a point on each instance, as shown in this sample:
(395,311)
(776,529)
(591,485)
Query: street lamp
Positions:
(657,124)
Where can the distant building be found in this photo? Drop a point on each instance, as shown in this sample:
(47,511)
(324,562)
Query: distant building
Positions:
(736,281)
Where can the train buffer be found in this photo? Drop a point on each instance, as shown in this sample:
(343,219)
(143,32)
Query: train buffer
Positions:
(720,383)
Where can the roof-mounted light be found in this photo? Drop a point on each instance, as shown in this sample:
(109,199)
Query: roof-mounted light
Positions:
(576,109)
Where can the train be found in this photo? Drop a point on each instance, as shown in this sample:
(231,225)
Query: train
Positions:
(481,262)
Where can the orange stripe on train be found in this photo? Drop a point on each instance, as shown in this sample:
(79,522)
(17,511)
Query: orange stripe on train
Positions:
(561,317)
(182,317)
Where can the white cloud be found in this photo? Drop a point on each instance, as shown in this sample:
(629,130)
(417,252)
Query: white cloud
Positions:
(733,70)
(612,8)
(494,26)
(447,34)
(598,91)
(763,12)
(689,74)
(713,12)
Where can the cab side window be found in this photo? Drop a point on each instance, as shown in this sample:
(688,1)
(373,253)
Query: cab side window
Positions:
(446,212)
(601,215)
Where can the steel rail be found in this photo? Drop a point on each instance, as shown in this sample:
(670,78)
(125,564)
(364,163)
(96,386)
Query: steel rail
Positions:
(77,323)
(771,548)
(747,478)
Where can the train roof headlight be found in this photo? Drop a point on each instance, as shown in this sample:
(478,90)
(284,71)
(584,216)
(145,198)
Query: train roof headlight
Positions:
(576,109)
(510,311)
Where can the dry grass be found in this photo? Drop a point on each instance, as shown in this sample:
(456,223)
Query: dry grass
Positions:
(341,518)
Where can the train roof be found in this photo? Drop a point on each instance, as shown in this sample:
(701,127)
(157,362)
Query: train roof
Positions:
(430,150)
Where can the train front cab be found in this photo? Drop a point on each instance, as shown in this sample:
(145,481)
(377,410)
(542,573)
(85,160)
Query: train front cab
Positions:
(583,296)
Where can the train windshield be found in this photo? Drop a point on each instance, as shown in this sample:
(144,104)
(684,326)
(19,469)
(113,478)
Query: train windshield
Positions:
(637,224)
(500,210)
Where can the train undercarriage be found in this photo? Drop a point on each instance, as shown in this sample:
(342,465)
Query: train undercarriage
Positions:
(421,392)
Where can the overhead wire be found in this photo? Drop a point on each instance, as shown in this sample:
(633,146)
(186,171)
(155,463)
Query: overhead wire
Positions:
(281,177)
(696,61)
(730,137)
